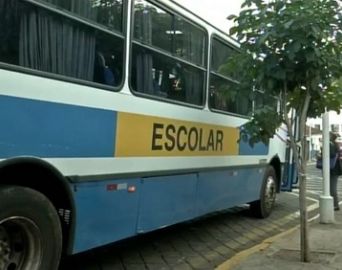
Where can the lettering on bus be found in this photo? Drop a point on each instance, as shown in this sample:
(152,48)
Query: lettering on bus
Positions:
(171,137)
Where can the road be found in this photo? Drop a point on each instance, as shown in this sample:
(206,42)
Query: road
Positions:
(204,243)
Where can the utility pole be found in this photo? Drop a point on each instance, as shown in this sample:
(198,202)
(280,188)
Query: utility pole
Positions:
(326,201)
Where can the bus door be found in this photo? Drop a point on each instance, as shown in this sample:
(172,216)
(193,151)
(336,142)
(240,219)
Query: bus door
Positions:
(289,172)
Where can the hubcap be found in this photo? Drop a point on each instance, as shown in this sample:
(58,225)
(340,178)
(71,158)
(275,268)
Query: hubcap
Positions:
(4,248)
(20,244)
(270,193)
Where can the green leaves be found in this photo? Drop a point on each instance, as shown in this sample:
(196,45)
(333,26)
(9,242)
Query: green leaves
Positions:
(231,17)
(295,47)
(290,48)
(288,24)
(262,126)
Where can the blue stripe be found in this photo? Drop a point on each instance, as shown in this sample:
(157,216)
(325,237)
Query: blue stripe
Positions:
(47,129)
(257,149)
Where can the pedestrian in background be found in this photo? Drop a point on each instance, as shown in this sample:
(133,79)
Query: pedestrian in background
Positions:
(335,170)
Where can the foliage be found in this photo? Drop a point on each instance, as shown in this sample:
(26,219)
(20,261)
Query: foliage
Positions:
(290,49)
(255,130)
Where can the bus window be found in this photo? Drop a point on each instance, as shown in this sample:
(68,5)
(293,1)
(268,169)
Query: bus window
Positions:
(225,93)
(9,32)
(189,42)
(152,25)
(220,55)
(168,59)
(261,100)
(62,42)
(226,96)
(105,12)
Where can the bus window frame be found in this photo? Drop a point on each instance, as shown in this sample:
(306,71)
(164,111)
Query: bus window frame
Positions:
(88,23)
(169,55)
(232,80)
(75,17)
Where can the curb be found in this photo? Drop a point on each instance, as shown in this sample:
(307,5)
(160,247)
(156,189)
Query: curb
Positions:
(242,255)
(236,260)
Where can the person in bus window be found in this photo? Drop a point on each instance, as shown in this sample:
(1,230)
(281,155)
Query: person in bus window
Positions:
(177,83)
(102,73)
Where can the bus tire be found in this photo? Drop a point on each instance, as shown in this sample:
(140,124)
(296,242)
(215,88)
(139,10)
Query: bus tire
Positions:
(264,206)
(30,230)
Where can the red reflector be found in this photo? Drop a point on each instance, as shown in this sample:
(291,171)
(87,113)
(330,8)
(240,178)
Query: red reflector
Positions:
(131,189)
(111,187)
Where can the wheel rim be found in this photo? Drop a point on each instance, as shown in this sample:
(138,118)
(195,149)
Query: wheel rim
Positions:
(20,244)
(270,193)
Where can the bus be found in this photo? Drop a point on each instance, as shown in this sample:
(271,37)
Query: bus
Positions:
(120,117)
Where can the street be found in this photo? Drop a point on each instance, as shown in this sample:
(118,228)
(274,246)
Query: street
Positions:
(204,243)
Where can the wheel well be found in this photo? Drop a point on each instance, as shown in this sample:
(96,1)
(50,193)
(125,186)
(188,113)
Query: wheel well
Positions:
(275,163)
(39,175)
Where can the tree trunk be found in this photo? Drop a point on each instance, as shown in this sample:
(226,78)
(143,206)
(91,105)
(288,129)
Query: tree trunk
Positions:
(301,168)
(304,243)
(304,238)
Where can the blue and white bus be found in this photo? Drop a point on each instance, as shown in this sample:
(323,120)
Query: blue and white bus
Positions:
(119,117)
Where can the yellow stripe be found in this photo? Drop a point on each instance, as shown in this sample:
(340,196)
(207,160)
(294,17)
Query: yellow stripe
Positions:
(243,255)
(142,135)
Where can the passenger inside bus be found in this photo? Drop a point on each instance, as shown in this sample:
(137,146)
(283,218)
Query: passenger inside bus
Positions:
(102,73)
(176,89)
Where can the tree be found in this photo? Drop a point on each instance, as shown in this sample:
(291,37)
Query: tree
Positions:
(290,49)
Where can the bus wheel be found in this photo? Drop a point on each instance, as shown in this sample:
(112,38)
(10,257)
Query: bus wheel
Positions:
(263,207)
(30,230)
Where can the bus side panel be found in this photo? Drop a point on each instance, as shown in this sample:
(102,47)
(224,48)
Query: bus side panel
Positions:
(167,200)
(222,189)
(106,212)
(32,127)
(257,149)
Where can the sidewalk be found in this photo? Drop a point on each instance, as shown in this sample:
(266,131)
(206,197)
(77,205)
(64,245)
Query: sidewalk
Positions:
(283,251)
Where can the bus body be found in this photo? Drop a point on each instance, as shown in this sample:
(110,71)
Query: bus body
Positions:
(122,117)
